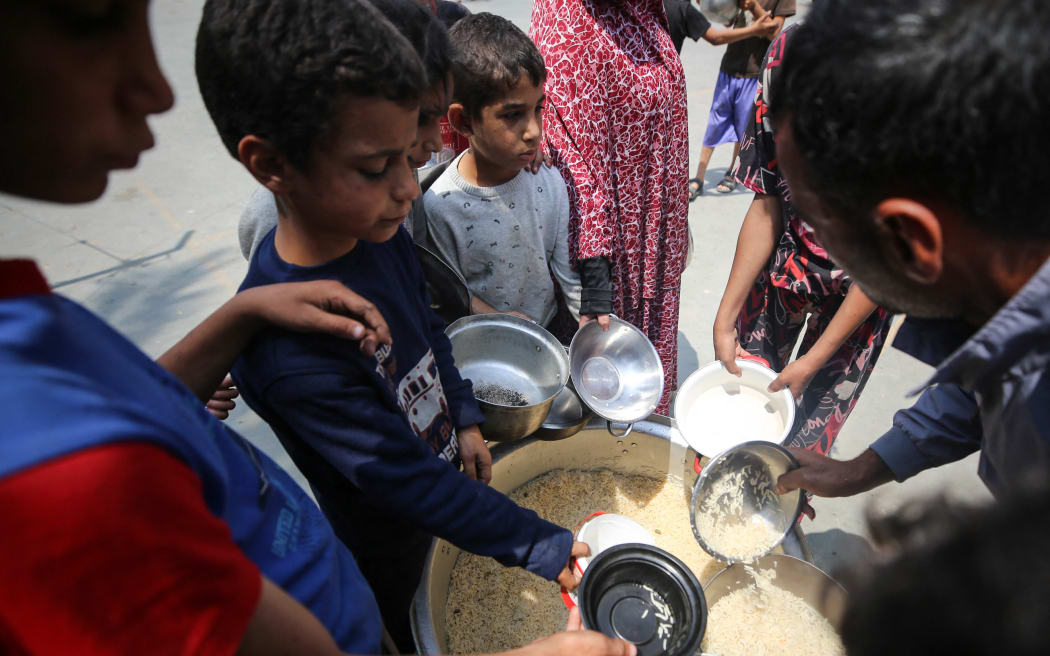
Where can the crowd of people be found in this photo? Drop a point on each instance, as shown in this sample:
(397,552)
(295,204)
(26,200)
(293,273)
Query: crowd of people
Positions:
(136,521)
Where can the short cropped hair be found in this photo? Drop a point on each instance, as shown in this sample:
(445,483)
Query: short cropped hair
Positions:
(425,31)
(490,56)
(277,68)
(946,100)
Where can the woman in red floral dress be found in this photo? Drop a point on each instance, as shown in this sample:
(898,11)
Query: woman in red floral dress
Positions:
(616,127)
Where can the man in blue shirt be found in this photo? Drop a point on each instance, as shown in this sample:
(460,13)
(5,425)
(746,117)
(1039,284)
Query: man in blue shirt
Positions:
(883,111)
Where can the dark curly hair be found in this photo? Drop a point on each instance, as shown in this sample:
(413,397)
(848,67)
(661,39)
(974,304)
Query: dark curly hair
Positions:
(490,56)
(277,68)
(945,100)
(425,31)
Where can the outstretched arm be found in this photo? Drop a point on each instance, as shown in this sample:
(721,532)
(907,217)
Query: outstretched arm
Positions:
(758,237)
(202,358)
(855,310)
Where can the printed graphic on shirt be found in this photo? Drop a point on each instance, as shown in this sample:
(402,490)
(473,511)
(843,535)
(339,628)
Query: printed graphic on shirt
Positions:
(422,399)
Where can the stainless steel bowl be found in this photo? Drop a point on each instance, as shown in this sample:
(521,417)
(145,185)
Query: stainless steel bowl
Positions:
(809,582)
(568,416)
(515,355)
(617,372)
(766,462)
(649,452)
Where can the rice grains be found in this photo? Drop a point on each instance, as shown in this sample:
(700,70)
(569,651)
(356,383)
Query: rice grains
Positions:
(491,607)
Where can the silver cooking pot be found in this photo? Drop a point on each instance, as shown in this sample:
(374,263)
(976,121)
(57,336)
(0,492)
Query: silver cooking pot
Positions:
(648,451)
(514,355)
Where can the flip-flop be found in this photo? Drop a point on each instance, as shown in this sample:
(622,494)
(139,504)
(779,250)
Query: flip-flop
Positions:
(727,184)
(697,190)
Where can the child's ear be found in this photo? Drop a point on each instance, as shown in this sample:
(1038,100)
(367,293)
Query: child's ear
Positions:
(459,119)
(265,163)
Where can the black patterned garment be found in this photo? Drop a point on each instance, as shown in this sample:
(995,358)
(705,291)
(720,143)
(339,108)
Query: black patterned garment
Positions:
(800,289)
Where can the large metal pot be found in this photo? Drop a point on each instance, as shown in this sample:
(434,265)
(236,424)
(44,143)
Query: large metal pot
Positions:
(513,354)
(806,580)
(648,451)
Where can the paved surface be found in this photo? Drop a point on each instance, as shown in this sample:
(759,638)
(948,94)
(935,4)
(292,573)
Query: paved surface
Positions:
(158,253)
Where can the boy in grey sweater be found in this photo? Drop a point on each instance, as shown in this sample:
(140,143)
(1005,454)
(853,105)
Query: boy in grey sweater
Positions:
(504,229)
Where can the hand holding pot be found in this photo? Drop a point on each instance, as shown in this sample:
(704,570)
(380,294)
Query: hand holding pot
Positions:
(569,579)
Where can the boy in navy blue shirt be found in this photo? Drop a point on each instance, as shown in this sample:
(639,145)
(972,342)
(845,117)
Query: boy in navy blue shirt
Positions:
(326,126)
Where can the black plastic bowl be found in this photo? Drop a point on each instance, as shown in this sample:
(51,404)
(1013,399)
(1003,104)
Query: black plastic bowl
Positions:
(644,595)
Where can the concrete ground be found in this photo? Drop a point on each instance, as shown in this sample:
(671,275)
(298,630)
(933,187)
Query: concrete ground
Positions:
(159,252)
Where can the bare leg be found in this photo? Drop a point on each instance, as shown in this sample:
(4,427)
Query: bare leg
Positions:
(728,183)
(705,159)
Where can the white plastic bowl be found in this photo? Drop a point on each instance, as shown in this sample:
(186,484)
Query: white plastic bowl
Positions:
(601,531)
(715,410)
(604,530)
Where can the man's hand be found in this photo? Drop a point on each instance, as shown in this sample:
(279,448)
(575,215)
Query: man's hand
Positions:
(568,578)
(825,477)
(477,461)
(727,348)
(320,306)
(221,402)
(603,320)
(795,376)
(577,642)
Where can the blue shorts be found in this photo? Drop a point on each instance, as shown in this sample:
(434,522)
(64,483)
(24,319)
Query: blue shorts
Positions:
(730,109)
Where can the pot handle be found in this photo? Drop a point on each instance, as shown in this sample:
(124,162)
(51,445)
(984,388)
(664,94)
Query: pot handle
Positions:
(625,433)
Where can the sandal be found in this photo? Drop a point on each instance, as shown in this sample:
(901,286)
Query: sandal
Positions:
(696,188)
(727,184)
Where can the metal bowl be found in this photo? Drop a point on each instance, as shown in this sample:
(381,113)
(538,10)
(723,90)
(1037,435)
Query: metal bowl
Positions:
(766,462)
(809,582)
(715,410)
(515,356)
(568,416)
(617,372)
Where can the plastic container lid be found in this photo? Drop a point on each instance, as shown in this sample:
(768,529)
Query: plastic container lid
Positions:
(642,594)
(601,531)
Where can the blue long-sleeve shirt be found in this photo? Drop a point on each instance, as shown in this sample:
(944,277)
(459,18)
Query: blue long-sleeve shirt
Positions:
(991,394)
(381,429)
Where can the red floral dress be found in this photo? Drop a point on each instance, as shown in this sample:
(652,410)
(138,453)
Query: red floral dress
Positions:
(616,127)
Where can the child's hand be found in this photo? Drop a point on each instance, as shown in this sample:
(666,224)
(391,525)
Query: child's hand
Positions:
(541,158)
(520,314)
(767,25)
(477,461)
(319,306)
(568,578)
(603,320)
(221,402)
(727,348)
(578,642)
(796,376)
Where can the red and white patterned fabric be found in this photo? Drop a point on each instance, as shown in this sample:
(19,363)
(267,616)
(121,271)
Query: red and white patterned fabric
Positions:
(616,127)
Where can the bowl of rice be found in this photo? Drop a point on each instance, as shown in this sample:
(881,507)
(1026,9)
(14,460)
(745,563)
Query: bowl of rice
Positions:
(735,511)
(777,605)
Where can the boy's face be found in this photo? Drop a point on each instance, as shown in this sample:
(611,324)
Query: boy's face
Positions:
(432,109)
(508,131)
(360,186)
(79,79)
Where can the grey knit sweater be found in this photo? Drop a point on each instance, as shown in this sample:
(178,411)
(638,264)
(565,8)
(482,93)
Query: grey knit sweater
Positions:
(507,241)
